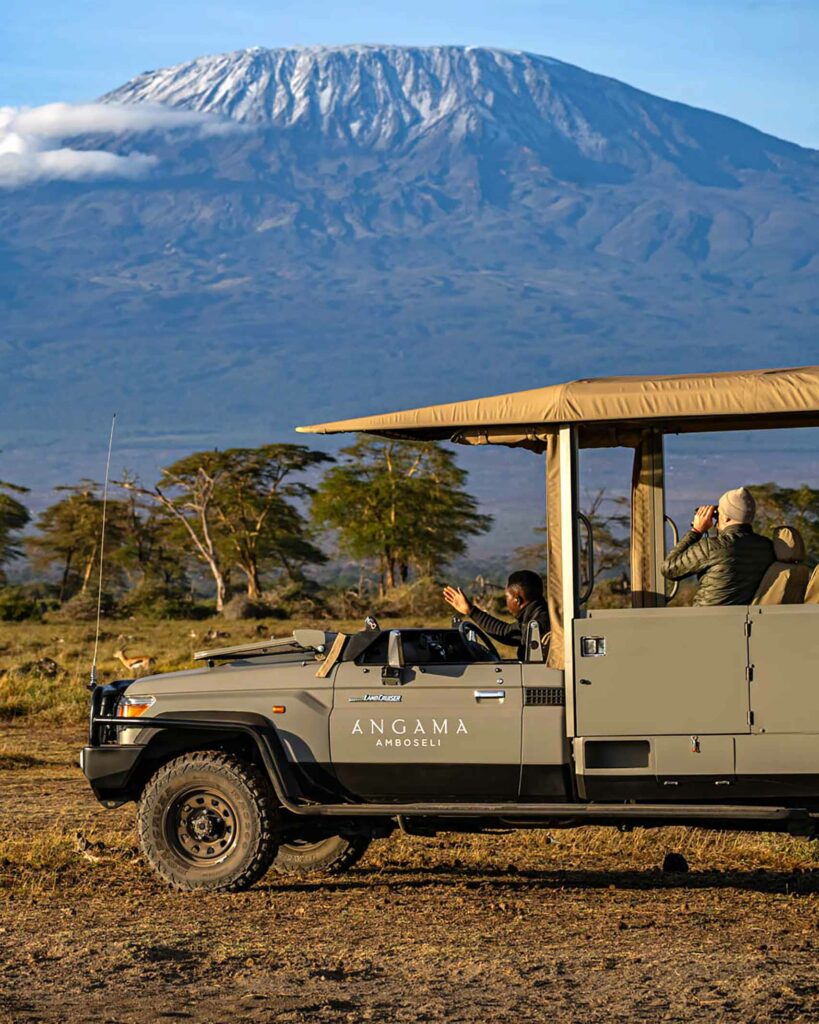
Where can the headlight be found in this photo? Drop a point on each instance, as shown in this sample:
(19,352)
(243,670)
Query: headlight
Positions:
(133,707)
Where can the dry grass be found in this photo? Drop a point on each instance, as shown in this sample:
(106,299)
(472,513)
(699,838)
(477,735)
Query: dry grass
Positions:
(67,852)
(29,690)
(62,857)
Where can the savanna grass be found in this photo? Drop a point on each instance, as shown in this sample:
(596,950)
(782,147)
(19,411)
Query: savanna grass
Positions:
(30,688)
(62,856)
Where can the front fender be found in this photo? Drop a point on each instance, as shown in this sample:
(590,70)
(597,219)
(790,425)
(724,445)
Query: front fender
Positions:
(118,772)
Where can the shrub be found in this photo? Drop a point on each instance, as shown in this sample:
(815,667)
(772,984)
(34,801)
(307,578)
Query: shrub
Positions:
(155,601)
(83,607)
(302,598)
(422,597)
(241,607)
(17,605)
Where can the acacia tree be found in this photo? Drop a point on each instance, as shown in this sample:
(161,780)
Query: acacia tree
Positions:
(69,534)
(185,492)
(13,517)
(610,519)
(255,514)
(153,549)
(236,508)
(402,504)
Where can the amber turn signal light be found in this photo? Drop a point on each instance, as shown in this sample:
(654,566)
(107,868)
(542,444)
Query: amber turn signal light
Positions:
(133,707)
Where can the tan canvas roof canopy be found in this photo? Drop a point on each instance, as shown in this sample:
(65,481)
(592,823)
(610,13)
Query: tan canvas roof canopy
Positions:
(682,403)
(633,412)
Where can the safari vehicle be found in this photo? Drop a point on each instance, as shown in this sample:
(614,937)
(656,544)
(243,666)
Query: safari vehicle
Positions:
(297,752)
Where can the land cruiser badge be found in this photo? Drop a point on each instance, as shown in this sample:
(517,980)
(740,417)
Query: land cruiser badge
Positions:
(381,698)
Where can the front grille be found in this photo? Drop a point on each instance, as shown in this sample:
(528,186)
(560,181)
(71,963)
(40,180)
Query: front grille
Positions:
(544,696)
(104,700)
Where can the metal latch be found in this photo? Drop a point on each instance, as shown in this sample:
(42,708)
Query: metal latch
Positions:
(592,646)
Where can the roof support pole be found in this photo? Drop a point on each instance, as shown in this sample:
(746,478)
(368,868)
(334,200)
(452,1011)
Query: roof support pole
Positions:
(648,522)
(569,559)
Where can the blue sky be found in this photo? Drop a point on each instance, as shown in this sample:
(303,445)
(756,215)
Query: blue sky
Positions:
(752,59)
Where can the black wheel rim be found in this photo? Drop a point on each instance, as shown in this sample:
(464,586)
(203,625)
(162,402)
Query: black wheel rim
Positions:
(202,826)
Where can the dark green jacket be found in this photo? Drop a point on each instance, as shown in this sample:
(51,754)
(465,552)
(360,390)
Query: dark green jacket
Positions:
(729,565)
(513,634)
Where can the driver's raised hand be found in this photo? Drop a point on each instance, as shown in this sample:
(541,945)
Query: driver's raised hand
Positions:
(458,599)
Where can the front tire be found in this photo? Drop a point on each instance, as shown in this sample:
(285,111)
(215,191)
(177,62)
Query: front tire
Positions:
(206,821)
(331,855)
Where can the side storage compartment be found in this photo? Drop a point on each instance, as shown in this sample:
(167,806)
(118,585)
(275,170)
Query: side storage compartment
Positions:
(656,768)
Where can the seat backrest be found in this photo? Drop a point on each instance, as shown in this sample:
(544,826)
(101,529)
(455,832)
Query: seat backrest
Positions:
(812,593)
(786,580)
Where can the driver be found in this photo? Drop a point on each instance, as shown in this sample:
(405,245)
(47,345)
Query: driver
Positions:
(524,599)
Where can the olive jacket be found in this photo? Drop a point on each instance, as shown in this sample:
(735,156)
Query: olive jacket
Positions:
(729,564)
(514,633)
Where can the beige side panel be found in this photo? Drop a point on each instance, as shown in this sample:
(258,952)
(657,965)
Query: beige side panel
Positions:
(544,727)
(666,671)
(784,651)
(777,755)
(252,689)
(693,755)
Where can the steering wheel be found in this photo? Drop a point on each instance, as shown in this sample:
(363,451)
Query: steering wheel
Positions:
(482,649)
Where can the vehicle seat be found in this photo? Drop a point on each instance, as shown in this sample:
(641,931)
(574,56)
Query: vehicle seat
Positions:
(786,580)
(812,593)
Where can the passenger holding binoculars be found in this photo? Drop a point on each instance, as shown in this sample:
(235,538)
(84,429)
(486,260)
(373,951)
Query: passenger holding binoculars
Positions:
(729,564)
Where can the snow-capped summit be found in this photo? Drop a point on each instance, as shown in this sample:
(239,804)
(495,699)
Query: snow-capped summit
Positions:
(369,93)
(392,97)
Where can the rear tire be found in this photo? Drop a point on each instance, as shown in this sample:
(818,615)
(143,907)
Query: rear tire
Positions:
(207,820)
(332,855)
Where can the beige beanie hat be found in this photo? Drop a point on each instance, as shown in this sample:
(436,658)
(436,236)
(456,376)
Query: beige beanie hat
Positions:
(738,504)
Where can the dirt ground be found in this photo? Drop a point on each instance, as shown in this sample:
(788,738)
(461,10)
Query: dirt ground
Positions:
(532,926)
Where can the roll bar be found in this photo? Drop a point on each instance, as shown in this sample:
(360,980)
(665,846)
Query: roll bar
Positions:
(675,533)
(587,592)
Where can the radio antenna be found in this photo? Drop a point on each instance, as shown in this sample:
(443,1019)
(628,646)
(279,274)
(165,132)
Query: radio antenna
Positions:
(93,681)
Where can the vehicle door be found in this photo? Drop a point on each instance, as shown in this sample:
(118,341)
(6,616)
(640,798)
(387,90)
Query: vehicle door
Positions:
(440,728)
(781,756)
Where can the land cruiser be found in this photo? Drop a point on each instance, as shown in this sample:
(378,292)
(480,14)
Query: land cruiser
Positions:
(297,752)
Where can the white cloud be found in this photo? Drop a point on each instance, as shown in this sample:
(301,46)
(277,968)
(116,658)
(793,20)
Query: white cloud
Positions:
(29,137)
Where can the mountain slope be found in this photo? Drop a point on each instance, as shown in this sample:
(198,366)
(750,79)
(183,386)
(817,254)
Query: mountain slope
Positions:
(392,226)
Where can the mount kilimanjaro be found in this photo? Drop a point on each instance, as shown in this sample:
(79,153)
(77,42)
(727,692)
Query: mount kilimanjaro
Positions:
(389,226)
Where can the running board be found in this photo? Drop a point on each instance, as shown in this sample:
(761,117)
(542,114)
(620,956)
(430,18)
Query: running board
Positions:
(564,811)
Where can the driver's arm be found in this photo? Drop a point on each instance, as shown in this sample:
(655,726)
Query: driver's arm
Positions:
(504,632)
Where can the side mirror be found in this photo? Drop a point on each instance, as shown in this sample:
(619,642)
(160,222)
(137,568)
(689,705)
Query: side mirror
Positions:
(395,649)
(391,672)
(534,643)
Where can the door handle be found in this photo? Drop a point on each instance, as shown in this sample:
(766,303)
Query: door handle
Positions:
(489,694)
